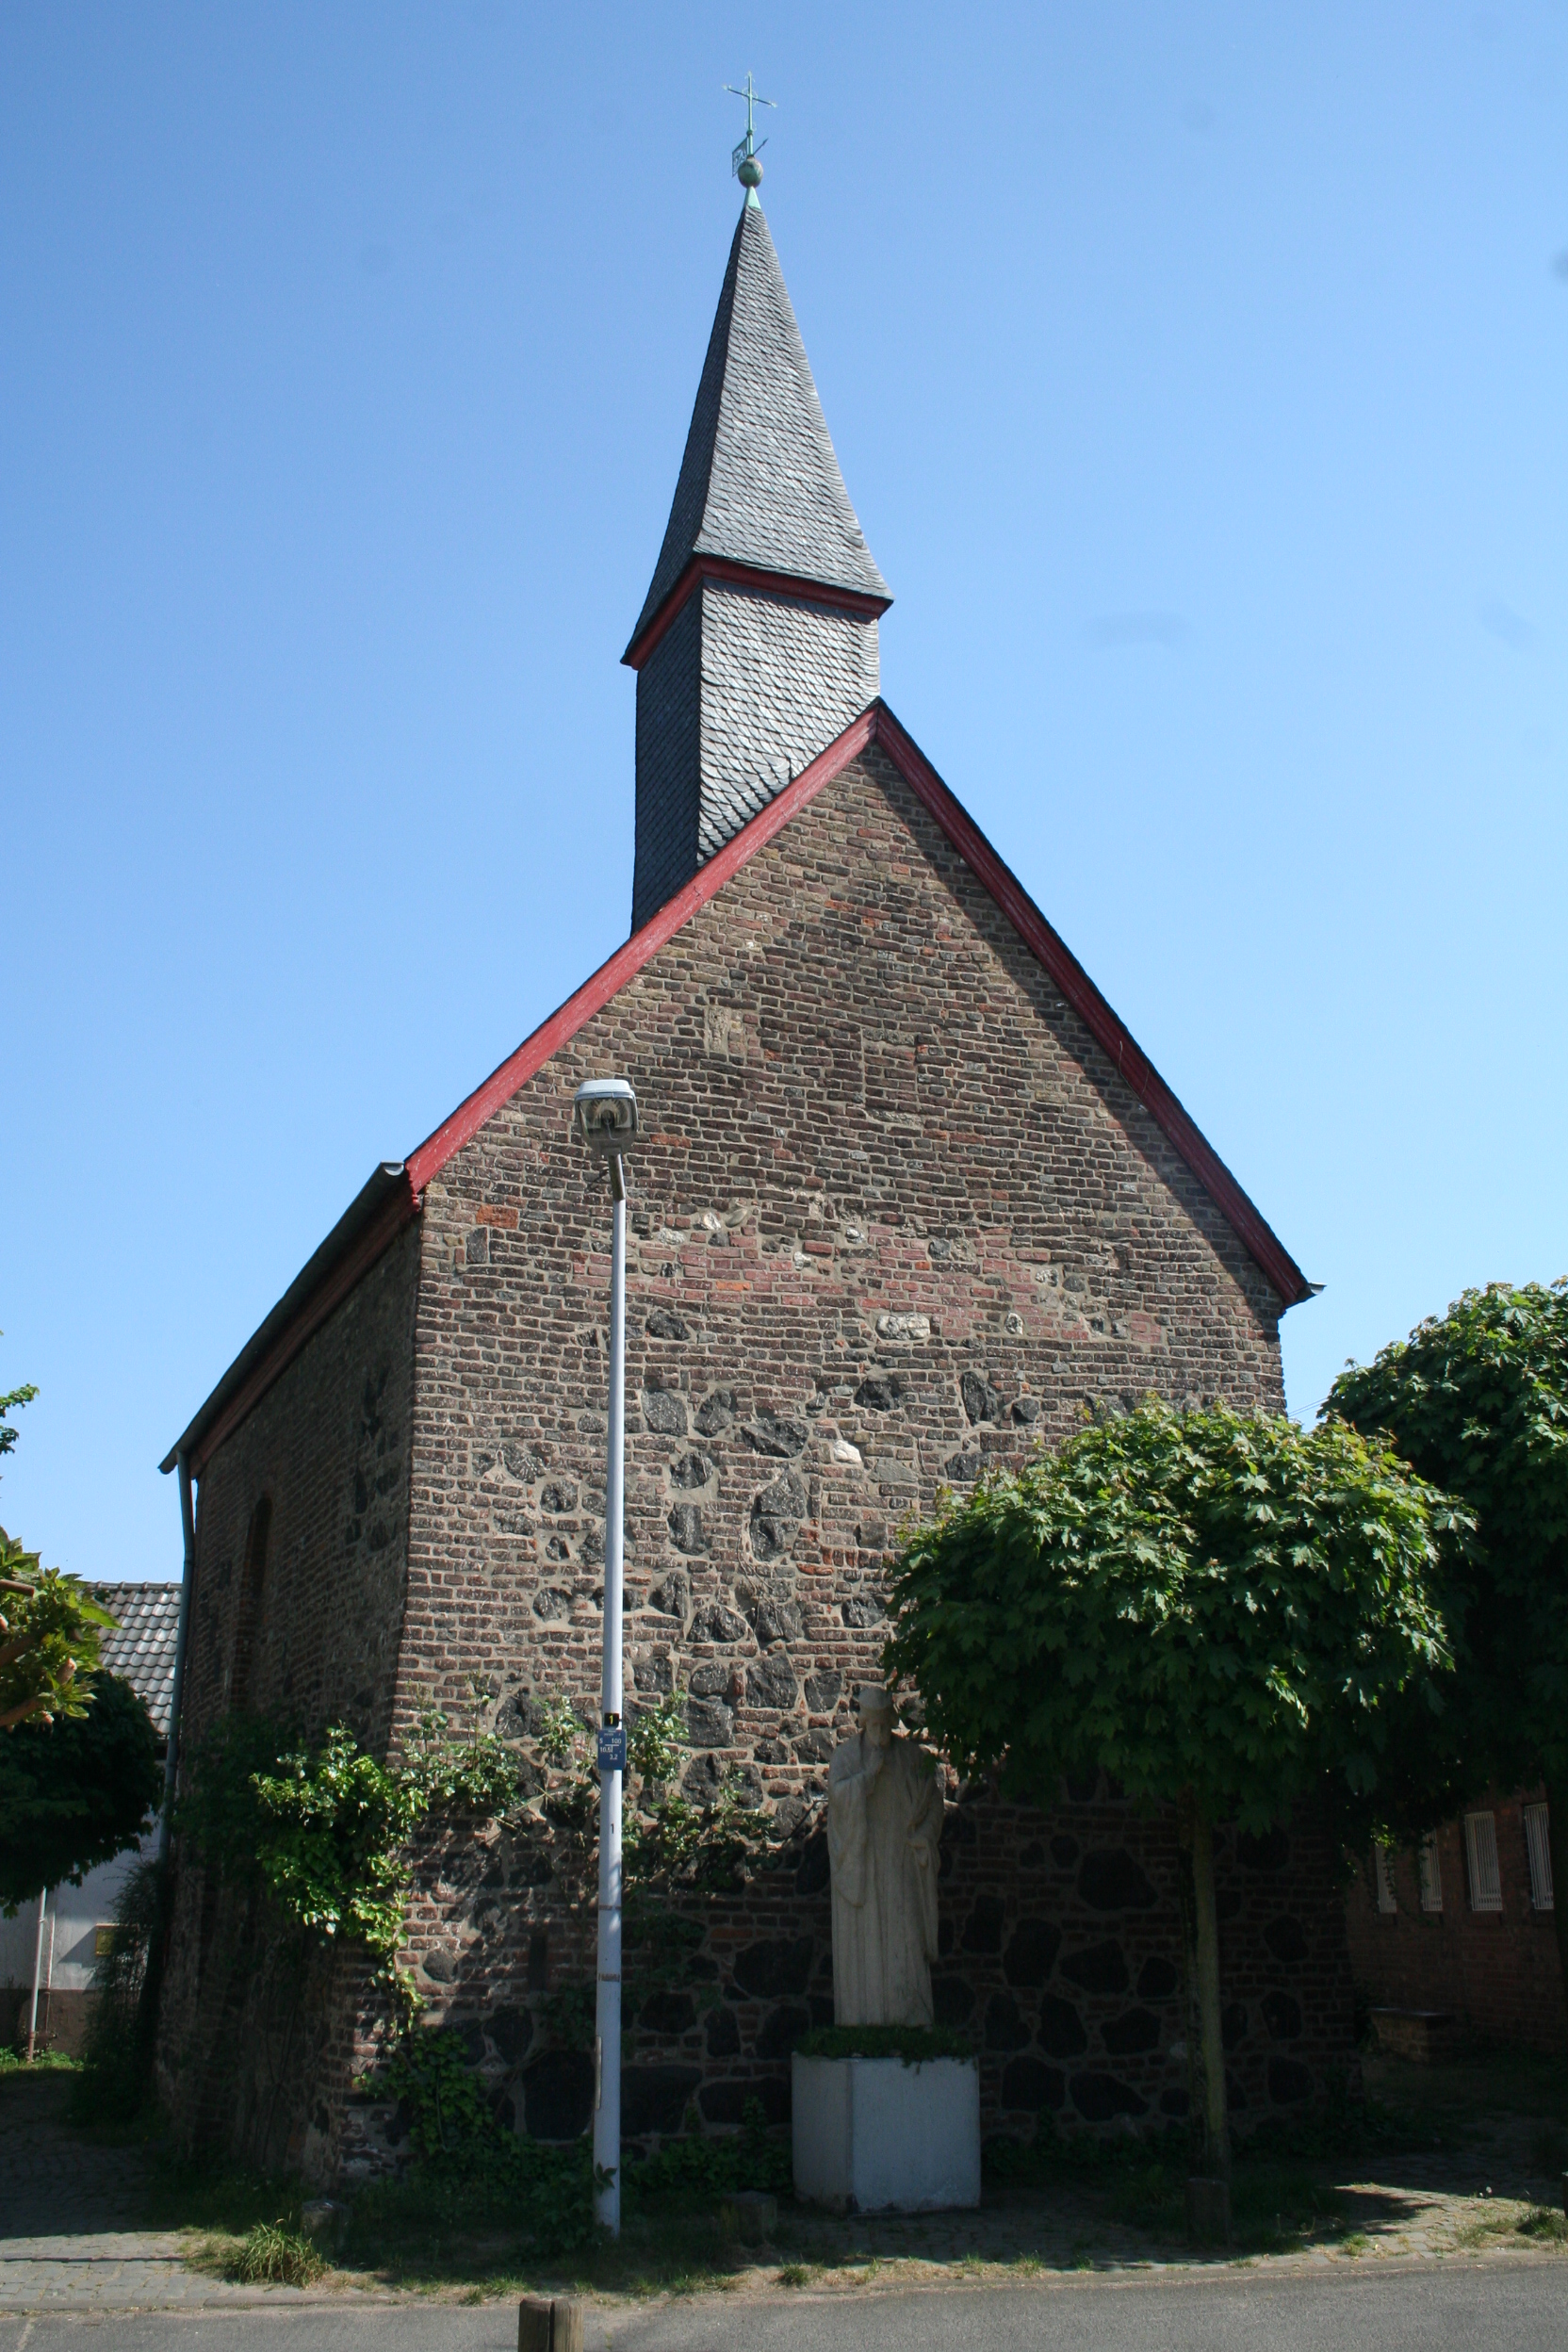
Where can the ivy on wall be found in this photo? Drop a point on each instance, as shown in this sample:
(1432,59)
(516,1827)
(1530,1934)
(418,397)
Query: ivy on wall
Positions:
(327,1829)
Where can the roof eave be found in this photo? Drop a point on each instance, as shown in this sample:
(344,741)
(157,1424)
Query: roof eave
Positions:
(700,567)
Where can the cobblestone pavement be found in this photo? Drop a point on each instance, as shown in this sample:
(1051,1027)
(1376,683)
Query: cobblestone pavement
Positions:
(68,2209)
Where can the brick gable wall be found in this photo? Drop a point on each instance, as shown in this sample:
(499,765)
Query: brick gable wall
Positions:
(893,1214)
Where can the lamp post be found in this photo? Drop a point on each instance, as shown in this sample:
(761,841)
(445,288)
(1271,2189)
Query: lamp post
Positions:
(604,1117)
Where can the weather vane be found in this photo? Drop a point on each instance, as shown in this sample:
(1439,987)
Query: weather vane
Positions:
(744,162)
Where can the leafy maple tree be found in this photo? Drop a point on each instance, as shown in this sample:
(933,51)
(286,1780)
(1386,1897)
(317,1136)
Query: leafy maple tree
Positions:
(1216,1609)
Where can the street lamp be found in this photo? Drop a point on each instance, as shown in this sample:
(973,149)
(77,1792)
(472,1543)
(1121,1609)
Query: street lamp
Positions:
(604,1117)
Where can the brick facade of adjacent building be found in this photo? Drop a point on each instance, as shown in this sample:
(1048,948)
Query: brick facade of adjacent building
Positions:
(1497,1973)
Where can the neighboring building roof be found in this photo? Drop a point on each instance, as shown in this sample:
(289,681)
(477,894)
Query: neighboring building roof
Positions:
(141,1647)
(760,484)
(391,1197)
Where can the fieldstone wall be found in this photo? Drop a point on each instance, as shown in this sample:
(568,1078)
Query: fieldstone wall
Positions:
(1060,1944)
(895,1215)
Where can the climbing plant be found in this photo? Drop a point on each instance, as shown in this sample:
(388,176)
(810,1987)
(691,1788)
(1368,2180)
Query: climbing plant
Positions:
(674,1848)
(327,1828)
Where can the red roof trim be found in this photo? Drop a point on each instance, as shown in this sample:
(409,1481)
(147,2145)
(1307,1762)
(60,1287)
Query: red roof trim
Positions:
(874,725)
(1133,1064)
(377,1237)
(703,568)
(877,725)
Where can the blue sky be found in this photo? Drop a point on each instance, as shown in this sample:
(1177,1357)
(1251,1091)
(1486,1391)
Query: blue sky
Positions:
(1201,378)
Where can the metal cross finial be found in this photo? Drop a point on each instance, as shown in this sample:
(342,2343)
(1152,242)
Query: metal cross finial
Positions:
(744,162)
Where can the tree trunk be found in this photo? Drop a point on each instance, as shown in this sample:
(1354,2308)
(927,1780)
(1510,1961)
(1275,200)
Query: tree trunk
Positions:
(1209,2127)
(1557,1833)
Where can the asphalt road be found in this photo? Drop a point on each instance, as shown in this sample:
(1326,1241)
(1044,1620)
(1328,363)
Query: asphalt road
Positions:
(1522,2307)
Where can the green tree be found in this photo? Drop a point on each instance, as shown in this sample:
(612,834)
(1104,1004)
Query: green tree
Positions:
(76,1791)
(1477,1399)
(1215,1609)
(48,1638)
(12,1402)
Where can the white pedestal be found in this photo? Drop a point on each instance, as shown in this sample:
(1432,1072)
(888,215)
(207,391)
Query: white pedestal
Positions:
(873,2135)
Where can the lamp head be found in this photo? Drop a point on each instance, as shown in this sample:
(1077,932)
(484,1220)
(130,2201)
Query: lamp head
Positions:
(604,1115)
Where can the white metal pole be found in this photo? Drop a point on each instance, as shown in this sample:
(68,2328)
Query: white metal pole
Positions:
(607,2112)
(38,1971)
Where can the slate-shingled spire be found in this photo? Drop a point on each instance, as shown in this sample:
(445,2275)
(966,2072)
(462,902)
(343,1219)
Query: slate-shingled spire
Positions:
(757,642)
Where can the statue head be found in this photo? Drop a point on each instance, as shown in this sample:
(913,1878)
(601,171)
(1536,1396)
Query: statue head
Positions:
(877,1714)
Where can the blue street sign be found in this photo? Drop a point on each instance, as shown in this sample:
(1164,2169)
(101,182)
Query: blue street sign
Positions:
(612,1750)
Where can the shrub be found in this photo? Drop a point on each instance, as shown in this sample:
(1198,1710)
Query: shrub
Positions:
(273,2256)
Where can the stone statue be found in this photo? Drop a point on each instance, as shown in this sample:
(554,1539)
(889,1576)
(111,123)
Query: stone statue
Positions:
(884,1825)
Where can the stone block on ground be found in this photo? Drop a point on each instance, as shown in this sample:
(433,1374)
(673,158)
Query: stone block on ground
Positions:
(322,2216)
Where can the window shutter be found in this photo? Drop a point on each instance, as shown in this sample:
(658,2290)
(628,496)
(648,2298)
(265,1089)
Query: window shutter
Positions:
(1430,1870)
(1480,1852)
(1539,1845)
(1387,1899)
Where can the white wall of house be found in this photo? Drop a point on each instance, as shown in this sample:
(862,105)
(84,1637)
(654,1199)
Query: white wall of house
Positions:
(77,1913)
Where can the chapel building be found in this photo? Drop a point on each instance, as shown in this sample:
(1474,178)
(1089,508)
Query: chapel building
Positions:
(908,1200)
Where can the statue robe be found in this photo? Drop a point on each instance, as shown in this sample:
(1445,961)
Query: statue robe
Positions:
(883,1831)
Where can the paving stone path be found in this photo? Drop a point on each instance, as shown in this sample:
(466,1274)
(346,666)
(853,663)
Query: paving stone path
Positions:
(69,2215)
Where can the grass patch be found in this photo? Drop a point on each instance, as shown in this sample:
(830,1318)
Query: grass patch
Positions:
(1548,2225)
(44,2062)
(795,2275)
(273,2255)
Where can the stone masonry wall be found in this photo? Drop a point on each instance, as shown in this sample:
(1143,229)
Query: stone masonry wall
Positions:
(245,2058)
(1059,1938)
(893,1214)
(1497,1973)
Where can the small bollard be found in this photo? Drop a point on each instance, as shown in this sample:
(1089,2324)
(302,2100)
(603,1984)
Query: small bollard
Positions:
(1208,2210)
(544,2326)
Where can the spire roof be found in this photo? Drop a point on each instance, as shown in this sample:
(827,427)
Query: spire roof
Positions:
(760,484)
